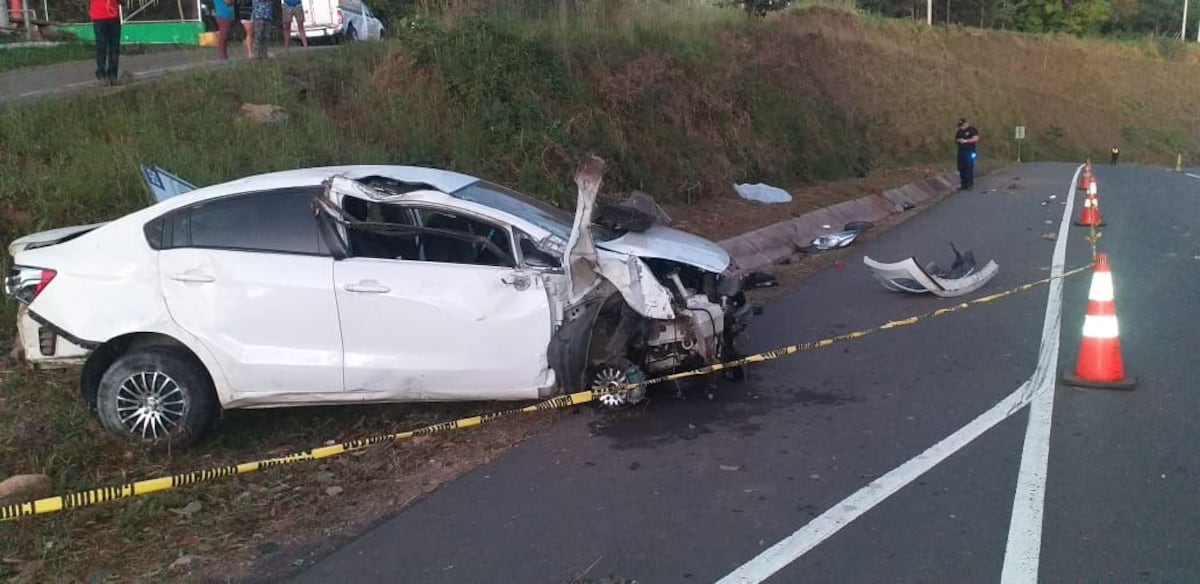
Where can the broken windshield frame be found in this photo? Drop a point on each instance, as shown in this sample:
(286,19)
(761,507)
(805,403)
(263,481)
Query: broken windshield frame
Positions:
(343,218)
(557,221)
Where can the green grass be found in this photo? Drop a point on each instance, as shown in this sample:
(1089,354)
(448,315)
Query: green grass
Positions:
(22,57)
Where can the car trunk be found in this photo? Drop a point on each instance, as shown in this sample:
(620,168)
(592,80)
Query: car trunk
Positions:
(49,238)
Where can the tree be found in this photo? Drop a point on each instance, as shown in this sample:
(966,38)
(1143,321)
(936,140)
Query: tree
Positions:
(1040,16)
(1088,17)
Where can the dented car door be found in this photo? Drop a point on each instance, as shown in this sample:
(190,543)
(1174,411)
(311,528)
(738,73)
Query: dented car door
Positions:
(433,307)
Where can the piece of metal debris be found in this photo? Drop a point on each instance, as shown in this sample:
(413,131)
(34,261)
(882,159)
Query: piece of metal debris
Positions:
(835,240)
(842,238)
(908,276)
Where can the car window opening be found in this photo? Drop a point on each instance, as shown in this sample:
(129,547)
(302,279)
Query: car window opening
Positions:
(382,231)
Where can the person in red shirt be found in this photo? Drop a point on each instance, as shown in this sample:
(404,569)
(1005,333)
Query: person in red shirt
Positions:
(106,23)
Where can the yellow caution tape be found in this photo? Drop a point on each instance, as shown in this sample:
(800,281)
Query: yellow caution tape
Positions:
(802,347)
(105,494)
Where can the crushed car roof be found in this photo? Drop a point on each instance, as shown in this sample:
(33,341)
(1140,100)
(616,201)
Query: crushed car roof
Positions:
(442,180)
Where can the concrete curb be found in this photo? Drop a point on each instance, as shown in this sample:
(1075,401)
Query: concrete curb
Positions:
(772,244)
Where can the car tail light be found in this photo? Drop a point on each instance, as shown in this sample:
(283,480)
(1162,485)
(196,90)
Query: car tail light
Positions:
(25,284)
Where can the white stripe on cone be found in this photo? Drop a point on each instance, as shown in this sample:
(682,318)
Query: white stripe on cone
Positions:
(1100,327)
(1102,287)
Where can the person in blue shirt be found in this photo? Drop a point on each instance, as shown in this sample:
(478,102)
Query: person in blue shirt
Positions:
(224,14)
(293,10)
(261,15)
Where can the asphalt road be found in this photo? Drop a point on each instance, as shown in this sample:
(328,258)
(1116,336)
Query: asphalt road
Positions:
(822,457)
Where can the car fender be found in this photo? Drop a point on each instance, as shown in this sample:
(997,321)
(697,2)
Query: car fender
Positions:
(572,342)
(172,334)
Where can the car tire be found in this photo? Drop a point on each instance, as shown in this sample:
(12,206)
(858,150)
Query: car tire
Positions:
(157,397)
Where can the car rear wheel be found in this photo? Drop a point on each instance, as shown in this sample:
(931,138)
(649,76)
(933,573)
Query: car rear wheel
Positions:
(157,397)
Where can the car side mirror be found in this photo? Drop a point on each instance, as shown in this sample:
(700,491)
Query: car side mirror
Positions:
(536,258)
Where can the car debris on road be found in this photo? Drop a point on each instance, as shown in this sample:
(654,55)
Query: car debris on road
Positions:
(842,238)
(908,275)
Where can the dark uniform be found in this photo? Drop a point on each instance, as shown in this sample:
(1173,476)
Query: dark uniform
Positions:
(966,154)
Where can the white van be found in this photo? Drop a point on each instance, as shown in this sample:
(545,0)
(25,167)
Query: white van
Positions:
(349,20)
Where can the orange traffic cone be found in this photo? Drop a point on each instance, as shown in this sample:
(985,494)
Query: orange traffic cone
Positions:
(1099,364)
(1090,216)
(1087,179)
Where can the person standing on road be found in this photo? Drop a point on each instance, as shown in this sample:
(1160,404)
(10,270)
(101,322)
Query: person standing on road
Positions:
(966,138)
(293,10)
(262,17)
(106,24)
(224,13)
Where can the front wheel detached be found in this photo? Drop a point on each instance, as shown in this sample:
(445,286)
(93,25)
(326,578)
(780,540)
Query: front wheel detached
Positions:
(611,381)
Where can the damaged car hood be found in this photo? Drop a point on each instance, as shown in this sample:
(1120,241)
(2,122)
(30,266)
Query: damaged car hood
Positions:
(665,243)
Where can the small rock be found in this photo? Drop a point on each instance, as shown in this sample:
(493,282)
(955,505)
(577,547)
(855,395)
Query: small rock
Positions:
(190,509)
(815,477)
(334,491)
(262,113)
(1050,236)
(731,467)
(183,562)
(26,487)
(324,477)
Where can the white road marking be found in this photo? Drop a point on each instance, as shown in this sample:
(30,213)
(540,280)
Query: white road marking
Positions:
(843,513)
(1022,554)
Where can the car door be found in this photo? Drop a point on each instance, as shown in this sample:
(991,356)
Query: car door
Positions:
(250,277)
(425,318)
(374,25)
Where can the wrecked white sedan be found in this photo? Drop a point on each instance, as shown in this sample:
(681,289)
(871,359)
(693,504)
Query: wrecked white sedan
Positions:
(358,284)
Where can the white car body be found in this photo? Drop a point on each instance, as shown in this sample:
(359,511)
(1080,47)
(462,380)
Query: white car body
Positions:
(322,324)
(339,19)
